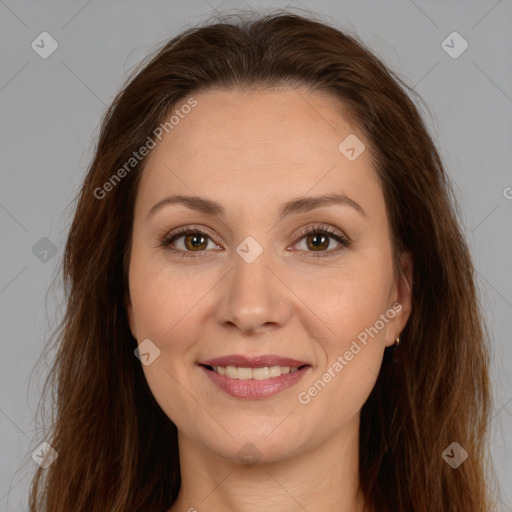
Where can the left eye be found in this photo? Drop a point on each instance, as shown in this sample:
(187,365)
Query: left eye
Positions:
(194,240)
(318,239)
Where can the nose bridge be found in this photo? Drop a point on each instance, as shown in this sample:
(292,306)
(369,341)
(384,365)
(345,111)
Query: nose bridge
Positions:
(252,296)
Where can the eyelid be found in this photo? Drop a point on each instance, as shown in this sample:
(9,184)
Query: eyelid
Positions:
(332,231)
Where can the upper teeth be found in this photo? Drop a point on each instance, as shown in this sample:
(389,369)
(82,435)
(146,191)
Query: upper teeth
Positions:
(235,372)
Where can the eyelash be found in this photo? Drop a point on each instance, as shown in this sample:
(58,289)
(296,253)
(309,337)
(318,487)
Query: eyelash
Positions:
(312,230)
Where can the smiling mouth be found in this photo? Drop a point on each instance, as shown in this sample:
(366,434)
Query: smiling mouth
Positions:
(261,373)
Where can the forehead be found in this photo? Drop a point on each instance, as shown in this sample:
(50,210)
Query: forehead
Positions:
(257,144)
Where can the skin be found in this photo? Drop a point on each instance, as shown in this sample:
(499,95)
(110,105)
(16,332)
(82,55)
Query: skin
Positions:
(251,151)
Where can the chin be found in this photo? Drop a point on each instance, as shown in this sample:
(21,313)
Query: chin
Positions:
(256,445)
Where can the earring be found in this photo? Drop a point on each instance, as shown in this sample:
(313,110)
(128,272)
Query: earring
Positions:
(397,341)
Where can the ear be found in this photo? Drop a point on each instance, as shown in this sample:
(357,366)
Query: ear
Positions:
(402,295)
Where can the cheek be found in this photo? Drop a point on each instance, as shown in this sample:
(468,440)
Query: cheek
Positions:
(352,344)
(350,298)
(357,310)
(165,307)
(163,298)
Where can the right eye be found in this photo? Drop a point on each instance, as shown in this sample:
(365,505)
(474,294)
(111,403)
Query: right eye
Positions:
(194,240)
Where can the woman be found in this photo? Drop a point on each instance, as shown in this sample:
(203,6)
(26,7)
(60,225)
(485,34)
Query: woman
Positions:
(270,301)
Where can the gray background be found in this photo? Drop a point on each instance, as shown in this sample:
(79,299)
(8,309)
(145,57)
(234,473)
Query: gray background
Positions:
(49,118)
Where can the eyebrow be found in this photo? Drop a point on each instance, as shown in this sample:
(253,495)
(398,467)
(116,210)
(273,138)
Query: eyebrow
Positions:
(294,206)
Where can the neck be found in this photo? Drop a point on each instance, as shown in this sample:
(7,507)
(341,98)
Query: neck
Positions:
(322,477)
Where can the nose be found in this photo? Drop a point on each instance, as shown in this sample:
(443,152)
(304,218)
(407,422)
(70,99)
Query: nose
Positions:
(253,297)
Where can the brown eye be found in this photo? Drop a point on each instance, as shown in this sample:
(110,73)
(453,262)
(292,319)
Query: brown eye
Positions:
(195,241)
(318,241)
(318,238)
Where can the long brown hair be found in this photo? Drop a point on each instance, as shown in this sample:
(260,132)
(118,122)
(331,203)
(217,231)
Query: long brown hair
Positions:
(117,450)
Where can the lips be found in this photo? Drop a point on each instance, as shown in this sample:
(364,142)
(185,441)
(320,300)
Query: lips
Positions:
(282,373)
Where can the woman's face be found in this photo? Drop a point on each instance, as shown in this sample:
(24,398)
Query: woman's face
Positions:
(249,282)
